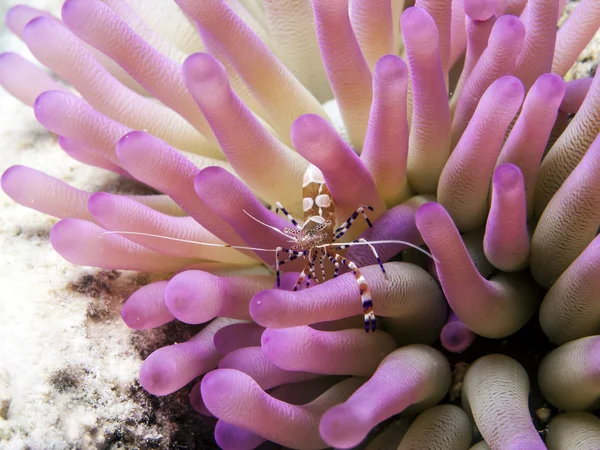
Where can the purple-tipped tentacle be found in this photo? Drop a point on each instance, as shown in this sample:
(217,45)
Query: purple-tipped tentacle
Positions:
(254,362)
(535,58)
(107,251)
(385,150)
(146,307)
(408,296)
(430,124)
(228,198)
(89,156)
(269,81)
(19,16)
(317,141)
(464,182)
(68,115)
(480,11)
(23,79)
(412,375)
(344,352)
(569,148)
(118,213)
(496,390)
(458,32)
(51,196)
(506,241)
(373,26)
(569,222)
(236,398)
(568,376)
(155,163)
(101,27)
(347,70)
(575,93)
(232,437)
(478,25)
(44,193)
(238,335)
(529,136)
(455,336)
(498,59)
(494,308)
(194,296)
(207,81)
(570,310)
(574,35)
(441,13)
(170,368)
(57,48)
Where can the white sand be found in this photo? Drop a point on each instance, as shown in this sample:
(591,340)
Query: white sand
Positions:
(67,380)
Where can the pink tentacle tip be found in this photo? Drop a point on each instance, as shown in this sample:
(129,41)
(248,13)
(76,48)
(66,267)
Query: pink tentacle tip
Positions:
(480,10)
(44,104)
(310,128)
(455,335)
(203,68)
(508,177)
(189,304)
(217,390)
(551,85)
(60,237)
(268,308)
(146,308)
(208,180)
(10,181)
(100,204)
(427,214)
(344,427)
(414,18)
(232,437)
(390,68)
(158,374)
(131,144)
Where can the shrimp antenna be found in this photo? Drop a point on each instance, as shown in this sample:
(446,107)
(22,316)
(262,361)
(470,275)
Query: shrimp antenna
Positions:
(365,242)
(266,224)
(207,244)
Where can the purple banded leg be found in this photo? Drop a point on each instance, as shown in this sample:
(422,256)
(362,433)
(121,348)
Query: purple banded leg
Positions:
(322,264)
(365,293)
(311,270)
(293,255)
(287,214)
(311,275)
(341,230)
(336,265)
(302,276)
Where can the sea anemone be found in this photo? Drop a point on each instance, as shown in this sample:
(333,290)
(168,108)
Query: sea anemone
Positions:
(471,143)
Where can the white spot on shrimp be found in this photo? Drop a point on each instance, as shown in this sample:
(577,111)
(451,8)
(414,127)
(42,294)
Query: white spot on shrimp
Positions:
(312,175)
(323,201)
(307,203)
